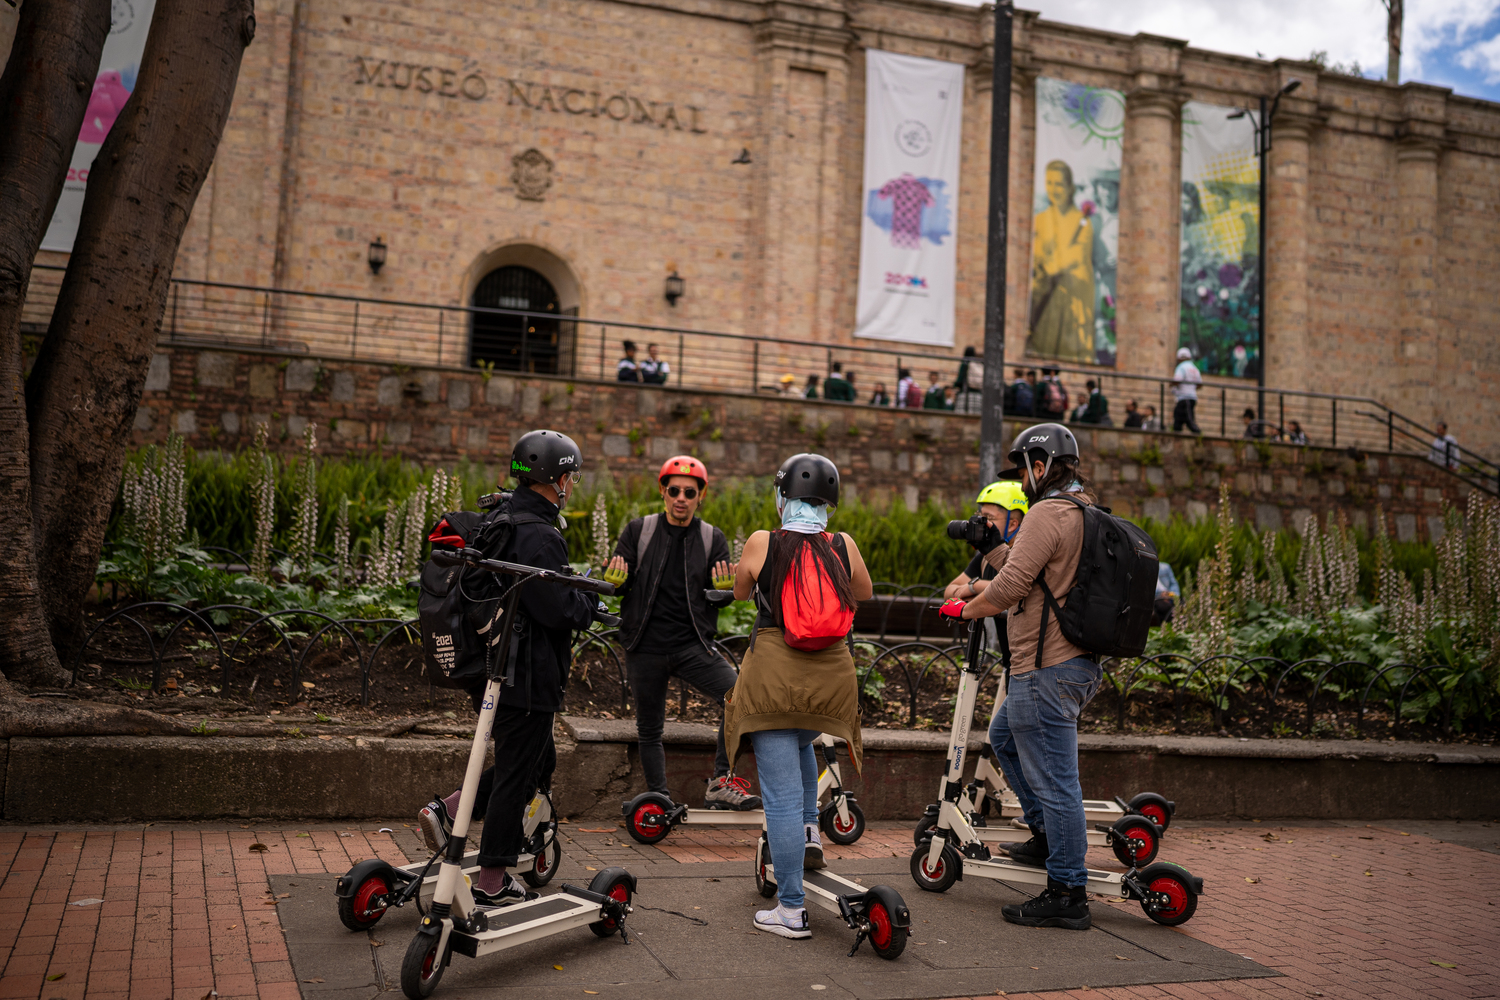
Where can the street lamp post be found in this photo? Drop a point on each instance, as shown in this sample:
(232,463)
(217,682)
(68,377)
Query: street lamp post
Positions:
(992,395)
(1262,126)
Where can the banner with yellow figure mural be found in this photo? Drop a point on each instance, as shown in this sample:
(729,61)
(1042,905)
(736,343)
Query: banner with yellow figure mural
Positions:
(1220,241)
(1075,244)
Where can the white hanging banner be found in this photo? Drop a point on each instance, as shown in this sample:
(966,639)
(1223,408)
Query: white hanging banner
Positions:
(907,258)
(130,20)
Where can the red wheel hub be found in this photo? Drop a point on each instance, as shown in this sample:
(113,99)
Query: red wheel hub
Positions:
(542,866)
(1142,836)
(1155,814)
(369,889)
(429,962)
(839,824)
(621,893)
(933,872)
(880,926)
(647,819)
(1174,891)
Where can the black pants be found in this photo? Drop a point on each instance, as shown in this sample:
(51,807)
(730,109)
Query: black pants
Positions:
(525,758)
(1186,415)
(649,675)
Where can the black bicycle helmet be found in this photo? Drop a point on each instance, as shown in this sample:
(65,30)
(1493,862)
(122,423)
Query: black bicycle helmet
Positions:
(809,477)
(1054,439)
(543,456)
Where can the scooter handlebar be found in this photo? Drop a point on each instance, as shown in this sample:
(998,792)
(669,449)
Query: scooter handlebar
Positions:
(718,595)
(473,557)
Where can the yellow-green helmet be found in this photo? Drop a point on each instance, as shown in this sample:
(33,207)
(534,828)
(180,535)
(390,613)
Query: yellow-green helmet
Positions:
(1007,494)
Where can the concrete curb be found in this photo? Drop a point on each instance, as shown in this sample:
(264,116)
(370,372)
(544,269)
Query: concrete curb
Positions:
(126,778)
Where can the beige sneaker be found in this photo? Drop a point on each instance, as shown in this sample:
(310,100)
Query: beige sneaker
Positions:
(732,793)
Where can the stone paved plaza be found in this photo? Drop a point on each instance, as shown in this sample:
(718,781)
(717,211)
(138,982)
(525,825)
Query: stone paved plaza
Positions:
(188,911)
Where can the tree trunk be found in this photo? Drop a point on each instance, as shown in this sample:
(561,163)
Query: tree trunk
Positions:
(44,93)
(83,393)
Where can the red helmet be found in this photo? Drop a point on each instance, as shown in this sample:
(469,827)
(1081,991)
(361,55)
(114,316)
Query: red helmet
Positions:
(684,465)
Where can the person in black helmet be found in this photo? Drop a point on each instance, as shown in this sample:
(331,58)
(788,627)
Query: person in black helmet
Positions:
(546,465)
(797,679)
(1035,732)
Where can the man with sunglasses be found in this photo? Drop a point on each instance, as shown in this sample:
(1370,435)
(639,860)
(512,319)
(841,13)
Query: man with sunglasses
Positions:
(662,565)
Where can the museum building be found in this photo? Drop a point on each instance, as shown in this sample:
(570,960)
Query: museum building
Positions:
(700,165)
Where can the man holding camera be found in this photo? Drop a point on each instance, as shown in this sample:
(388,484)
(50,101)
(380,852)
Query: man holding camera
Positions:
(662,565)
(1001,507)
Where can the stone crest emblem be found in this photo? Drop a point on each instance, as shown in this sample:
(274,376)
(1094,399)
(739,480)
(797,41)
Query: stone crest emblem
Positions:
(531,174)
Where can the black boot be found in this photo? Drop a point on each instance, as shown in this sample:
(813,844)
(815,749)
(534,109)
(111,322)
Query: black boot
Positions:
(1033,852)
(1057,906)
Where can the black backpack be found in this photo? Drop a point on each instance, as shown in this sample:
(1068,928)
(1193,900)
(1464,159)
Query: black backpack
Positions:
(460,607)
(1109,608)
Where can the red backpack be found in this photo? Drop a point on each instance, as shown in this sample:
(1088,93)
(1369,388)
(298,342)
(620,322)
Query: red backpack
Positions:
(810,615)
(914,396)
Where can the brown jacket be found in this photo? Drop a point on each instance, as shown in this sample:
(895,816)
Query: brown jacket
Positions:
(1051,538)
(785,688)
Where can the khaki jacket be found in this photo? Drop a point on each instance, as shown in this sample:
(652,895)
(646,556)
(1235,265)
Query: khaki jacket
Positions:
(785,688)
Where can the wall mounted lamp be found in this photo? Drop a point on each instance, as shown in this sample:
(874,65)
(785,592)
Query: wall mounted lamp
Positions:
(676,286)
(377,255)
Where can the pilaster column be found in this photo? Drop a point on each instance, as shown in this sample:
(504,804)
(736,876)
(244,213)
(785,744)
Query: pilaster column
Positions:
(1292,360)
(1419,146)
(803,91)
(1146,320)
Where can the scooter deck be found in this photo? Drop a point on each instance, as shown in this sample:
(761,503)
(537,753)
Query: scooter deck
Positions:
(1014,835)
(724,817)
(825,885)
(1105,883)
(471,863)
(1094,810)
(520,923)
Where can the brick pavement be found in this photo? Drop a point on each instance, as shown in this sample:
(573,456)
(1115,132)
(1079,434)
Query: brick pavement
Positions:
(184,912)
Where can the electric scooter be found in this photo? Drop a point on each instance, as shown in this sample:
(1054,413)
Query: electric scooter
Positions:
(1132,830)
(371,887)
(1167,892)
(878,913)
(454,922)
(650,816)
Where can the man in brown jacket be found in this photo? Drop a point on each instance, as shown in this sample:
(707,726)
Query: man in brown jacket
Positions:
(1035,732)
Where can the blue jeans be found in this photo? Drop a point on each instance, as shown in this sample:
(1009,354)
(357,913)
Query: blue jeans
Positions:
(1035,739)
(788,774)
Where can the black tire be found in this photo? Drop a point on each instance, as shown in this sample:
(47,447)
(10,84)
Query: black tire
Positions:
(617,883)
(355,910)
(924,829)
(764,884)
(640,829)
(1171,880)
(889,922)
(1154,807)
(1140,833)
(544,865)
(948,868)
(828,819)
(422,968)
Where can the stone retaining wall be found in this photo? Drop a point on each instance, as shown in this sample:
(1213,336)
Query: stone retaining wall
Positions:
(442,415)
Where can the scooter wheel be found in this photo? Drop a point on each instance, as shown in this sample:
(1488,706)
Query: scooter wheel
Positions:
(1154,807)
(938,877)
(925,828)
(764,884)
(355,911)
(544,865)
(423,967)
(1139,833)
(1181,901)
(839,831)
(648,823)
(616,883)
(889,922)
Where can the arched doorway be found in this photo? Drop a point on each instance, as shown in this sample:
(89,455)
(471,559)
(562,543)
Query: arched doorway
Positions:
(515,343)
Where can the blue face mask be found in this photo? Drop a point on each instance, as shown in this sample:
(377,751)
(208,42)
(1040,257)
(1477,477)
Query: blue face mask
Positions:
(801,516)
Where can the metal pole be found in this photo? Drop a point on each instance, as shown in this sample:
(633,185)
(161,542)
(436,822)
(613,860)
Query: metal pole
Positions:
(992,394)
(175,289)
(1223,412)
(440,338)
(1263,141)
(603,331)
(1390,431)
(679,358)
(354,334)
(1335,422)
(755,369)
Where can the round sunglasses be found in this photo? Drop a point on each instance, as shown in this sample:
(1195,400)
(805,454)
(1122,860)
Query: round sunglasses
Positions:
(691,492)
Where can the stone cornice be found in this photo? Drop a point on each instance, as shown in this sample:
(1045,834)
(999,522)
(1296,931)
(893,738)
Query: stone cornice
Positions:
(805,32)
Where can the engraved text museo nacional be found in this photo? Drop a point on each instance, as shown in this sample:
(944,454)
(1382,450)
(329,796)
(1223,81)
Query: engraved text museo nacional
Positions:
(538,97)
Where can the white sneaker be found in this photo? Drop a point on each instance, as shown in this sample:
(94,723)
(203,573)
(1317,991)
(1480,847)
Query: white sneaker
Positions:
(812,855)
(783,922)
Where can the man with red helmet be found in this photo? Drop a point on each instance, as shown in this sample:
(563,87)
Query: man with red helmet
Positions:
(662,565)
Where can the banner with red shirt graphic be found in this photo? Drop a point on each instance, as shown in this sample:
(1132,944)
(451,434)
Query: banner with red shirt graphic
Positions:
(907,260)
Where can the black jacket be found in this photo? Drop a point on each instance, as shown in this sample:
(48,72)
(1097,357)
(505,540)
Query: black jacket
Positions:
(638,592)
(552,610)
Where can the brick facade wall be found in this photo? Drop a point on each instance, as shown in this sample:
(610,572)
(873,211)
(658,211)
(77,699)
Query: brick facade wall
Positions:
(439,416)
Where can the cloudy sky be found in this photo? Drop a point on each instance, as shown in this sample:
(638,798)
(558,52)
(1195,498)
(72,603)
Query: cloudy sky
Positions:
(1452,43)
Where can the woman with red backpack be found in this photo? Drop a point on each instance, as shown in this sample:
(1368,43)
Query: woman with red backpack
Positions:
(797,679)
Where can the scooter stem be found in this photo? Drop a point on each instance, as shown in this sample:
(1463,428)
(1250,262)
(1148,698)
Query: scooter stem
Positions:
(477,749)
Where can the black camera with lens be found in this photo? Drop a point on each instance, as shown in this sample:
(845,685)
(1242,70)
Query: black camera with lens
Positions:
(977,531)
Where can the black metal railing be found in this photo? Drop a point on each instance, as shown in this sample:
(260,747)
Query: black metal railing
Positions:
(326,324)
